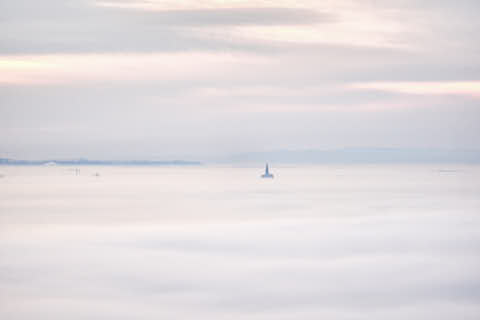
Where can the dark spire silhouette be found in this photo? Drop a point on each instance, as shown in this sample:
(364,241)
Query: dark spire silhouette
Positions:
(267,174)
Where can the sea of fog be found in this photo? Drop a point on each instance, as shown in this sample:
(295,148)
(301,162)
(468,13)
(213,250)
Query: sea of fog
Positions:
(205,242)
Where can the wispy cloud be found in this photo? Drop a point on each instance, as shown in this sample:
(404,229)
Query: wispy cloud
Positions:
(83,68)
(469,88)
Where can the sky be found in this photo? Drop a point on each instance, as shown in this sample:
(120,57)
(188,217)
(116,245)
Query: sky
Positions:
(161,79)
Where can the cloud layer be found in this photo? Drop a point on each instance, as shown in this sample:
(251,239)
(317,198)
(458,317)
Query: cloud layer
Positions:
(349,242)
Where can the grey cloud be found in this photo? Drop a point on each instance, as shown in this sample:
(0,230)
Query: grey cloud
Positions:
(241,16)
(58,26)
(47,37)
(87,12)
(79,26)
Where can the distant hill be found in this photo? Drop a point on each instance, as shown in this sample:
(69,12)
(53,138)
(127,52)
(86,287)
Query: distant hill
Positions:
(359,155)
(86,162)
(312,156)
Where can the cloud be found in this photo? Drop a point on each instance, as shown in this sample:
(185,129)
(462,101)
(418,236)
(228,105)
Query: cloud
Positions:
(168,5)
(56,27)
(63,69)
(469,88)
(371,265)
(238,16)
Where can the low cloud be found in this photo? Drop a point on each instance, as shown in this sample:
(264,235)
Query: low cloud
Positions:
(468,88)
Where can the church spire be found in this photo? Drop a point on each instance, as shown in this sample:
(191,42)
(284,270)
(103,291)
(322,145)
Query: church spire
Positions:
(267,174)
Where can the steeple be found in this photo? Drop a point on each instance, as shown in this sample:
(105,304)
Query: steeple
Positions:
(267,174)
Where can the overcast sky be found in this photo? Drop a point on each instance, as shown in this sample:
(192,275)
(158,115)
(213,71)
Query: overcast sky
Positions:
(161,79)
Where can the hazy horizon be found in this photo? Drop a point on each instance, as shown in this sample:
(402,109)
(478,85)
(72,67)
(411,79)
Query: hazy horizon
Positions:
(306,156)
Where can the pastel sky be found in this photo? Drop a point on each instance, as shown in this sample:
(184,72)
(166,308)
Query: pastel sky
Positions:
(160,79)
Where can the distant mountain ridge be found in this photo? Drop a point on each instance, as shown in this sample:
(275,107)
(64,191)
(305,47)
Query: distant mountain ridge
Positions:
(310,156)
(360,155)
(83,162)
